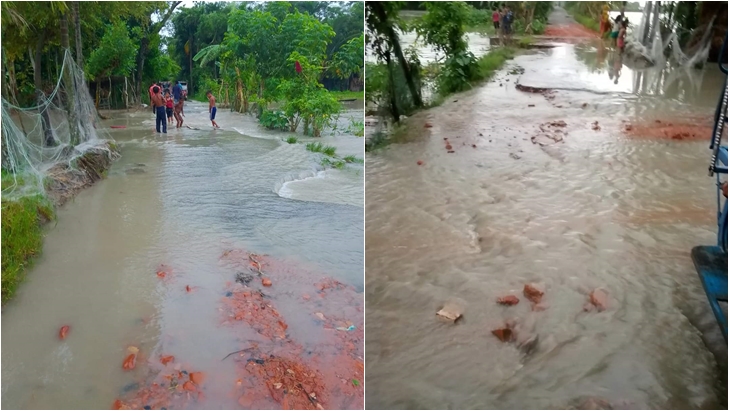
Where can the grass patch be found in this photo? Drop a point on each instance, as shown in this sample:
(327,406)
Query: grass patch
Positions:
(356,128)
(292,140)
(338,164)
(353,159)
(22,238)
(329,150)
(10,179)
(321,148)
(315,147)
(525,42)
(492,62)
(587,22)
(348,95)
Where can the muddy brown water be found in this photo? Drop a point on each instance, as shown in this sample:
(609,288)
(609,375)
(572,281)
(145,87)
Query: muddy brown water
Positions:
(597,210)
(183,200)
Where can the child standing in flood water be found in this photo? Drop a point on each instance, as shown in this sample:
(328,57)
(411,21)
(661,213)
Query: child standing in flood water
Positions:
(169,105)
(212,109)
(621,35)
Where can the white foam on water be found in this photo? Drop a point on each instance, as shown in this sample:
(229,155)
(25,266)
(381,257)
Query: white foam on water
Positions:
(327,186)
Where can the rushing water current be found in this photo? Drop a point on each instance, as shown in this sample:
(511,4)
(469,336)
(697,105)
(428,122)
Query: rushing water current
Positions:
(182,199)
(601,208)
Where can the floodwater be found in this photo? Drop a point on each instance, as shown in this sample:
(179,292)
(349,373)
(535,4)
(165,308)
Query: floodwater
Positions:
(599,209)
(478,44)
(191,205)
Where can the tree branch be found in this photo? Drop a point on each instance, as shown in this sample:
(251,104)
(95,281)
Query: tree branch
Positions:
(156,27)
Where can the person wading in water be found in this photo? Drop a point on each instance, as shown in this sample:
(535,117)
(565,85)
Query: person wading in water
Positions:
(159,105)
(212,109)
(151,94)
(179,112)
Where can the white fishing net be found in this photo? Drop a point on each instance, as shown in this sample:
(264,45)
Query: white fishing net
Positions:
(55,135)
(653,50)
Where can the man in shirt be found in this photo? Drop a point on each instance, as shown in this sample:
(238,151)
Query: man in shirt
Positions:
(177,91)
(506,21)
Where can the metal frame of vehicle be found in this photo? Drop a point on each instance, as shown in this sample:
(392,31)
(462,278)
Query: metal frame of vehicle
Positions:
(711,261)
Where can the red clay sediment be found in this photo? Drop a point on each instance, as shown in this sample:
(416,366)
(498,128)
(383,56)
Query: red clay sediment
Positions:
(276,370)
(569,30)
(686,129)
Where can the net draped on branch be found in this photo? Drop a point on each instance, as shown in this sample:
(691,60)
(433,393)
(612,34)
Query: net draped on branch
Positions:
(68,114)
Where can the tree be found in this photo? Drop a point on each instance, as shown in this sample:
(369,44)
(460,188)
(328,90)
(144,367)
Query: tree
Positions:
(348,60)
(147,32)
(77,33)
(115,55)
(380,20)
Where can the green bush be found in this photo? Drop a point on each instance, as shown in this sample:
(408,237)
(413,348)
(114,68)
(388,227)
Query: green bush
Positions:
(457,73)
(319,110)
(292,140)
(538,26)
(274,120)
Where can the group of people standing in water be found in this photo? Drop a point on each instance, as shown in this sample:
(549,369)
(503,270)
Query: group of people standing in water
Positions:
(502,19)
(169,105)
(617,28)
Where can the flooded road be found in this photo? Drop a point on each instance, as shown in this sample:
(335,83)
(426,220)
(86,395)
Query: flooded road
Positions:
(523,186)
(160,256)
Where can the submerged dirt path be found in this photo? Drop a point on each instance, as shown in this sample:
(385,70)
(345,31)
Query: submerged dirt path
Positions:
(549,175)
(561,24)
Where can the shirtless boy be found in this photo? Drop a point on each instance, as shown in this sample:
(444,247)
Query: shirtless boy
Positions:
(179,112)
(212,109)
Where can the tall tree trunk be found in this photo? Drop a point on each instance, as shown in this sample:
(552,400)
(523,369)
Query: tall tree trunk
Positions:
(143,48)
(48,139)
(69,83)
(12,82)
(379,10)
(77,32)
(394,110)
(6,77)
(190,87)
